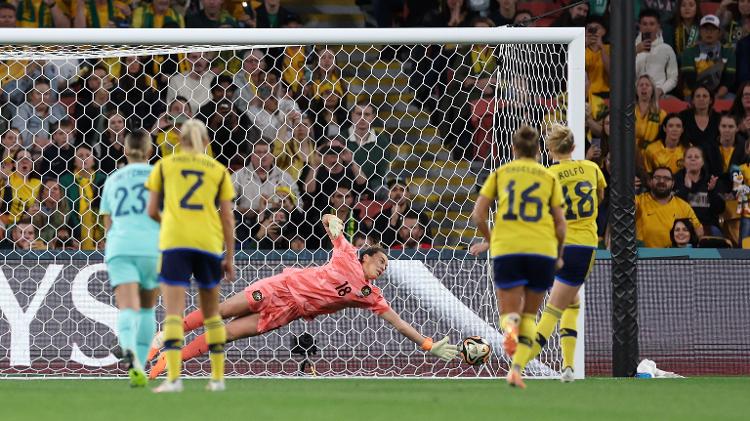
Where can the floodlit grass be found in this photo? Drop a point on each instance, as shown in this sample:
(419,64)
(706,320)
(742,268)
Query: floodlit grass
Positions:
(368,399)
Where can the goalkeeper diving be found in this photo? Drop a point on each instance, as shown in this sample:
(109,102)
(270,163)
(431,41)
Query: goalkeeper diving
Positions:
(343,282)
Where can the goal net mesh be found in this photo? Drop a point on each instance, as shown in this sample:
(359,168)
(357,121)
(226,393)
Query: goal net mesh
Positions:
(396,140)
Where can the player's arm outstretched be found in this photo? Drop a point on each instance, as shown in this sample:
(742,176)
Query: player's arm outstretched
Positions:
(441,349)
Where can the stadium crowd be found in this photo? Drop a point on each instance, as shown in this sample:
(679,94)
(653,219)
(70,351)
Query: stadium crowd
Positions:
(299,144)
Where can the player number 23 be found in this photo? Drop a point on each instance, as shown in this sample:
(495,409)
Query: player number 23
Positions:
(185,201)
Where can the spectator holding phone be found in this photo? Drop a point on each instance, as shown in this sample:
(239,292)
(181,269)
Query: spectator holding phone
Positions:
(654,57)
(597,56)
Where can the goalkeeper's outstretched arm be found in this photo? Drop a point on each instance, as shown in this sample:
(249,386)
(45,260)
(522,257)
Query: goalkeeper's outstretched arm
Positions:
(441,349)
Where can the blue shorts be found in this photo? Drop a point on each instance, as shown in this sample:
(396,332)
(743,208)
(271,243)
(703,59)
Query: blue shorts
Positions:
(179,265)
(534,271)
(130,269)
(578,261)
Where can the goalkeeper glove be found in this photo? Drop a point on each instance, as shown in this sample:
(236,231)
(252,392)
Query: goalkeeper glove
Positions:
(335,227)
(441,349)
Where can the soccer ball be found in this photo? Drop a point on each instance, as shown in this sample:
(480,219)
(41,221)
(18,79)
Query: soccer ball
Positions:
(475,350)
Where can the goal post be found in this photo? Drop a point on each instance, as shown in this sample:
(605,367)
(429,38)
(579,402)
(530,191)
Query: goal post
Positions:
(57,314)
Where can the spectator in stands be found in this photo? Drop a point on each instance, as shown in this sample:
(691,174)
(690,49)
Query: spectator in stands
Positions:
(731,145)
(701,122)
(335,169)
(135,93)
(683,234)
(52,211)
(273,230)
(695,185)
(292,63)
(22,186)
(91,13)
(95,78)
(326,77)
(708,63)
(195,85)
(371,151)
(648,114)
(271,14)
(654,57)
(42,14)
(669,150)
(505,13)
(741,108)
(24,236)
(212,15)
(10,142)
(297,155)
(598,147)
(257,183)
(597,57)
(656,210)
(733,15)
(252,75)
(57,157)
(412,234)
(575,16)
(474,77)
(8,16)
(82,187)
(686,29)
(341,203)
(288,200)
(109,151)
(390,220)
(64,240)
(450,13)
(331,113)
(223,89)
(157,14)
(231,133)
(265,113)
(743,55)
(667,10)
(523,18)
(34,117)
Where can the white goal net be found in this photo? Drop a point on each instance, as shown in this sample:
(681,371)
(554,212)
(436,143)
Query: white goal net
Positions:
(393,130)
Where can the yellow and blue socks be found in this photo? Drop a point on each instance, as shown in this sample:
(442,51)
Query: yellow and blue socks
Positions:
(216,337)
(146,332)
(544,328)
(127,327)
(173,340)
(569,334)
(526,333)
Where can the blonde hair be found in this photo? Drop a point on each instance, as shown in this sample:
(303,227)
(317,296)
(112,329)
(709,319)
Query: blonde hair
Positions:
(138,145)
(560,139)
(526,142)
(653,104)
(192,135)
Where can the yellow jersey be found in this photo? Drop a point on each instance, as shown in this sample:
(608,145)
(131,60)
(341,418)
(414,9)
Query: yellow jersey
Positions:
(726,155)
(525,192)
(647,127)
(657,155)
(580,181)
(191,185)
(653,221)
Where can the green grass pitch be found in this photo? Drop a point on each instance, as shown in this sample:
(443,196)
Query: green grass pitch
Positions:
(367,399)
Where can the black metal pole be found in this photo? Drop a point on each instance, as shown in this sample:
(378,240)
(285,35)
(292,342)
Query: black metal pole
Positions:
(622,190)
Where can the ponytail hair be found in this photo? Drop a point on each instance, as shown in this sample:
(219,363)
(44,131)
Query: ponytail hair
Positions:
(192,135)
(560,139)
(526,142)
(138,145)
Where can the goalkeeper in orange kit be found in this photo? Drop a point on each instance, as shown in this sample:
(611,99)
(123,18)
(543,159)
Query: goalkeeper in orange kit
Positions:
(343,282)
